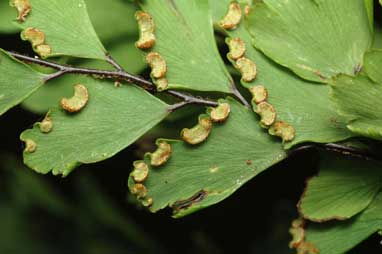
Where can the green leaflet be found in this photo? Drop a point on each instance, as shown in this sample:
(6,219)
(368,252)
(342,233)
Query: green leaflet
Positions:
(340,237)
(315,39)
(185,39)
(235,152)
(17,81)
(114,118)
(344,187)
(112,19)
(123,51)
(303,104)
(373,64)
(67,28)
(6,17)
(369,5)
(360,99)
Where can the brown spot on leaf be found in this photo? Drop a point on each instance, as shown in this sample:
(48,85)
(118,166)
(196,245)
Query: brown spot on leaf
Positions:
(220,113)
(146,30)
(161,155)
(46,125)
(187,203)
(161,84)
(307,248)
(236,48)
(267,113)
(157,64)
(233,16)
(23,8)
(44,50)
(298,242)
(37,39)
(247,69)
(30,146)
(283,130)
(259,94)
(139,190)
(198,133)
(147,202)
(318,73)
(248,162)
(298,233)
(247,10)
(34,35)
(140,172)
(78,101)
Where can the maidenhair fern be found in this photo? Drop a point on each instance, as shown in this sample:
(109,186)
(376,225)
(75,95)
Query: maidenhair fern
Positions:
(297,74)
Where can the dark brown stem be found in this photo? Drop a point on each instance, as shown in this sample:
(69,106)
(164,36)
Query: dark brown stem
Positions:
(114,63)
(188,99)
(119,75)
(238,95)
(338,148)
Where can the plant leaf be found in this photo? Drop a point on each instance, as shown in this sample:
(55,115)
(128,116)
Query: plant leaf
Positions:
(185,39)
(344,187)
(369,5)
(235,152)
(304,105)
(67,28)
(373,63)
(115,14)
(113,119)
(7,14)
(339,237)
(315,39)
(17,81)
(360,99)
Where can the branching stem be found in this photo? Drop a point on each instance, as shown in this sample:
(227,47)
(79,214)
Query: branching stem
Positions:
(119,75)
(339,148)
(114,63)
(239,96)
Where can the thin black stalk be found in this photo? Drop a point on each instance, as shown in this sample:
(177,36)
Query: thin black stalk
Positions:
(338,148)
(119,75)
(114,63)
(239,96)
